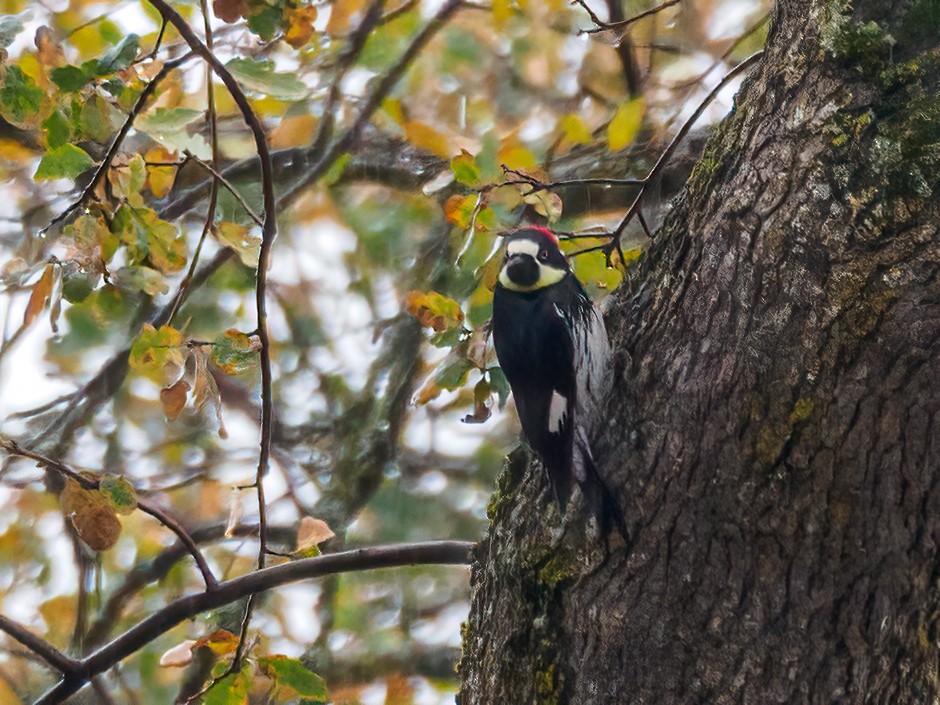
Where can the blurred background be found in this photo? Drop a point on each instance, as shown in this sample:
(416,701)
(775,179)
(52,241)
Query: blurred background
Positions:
(392,419)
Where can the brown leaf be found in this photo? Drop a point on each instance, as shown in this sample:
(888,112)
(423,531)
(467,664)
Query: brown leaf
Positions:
(434,310)
(40,294)
(221,641)
(312,532)
(95,521)
(49,51)
(174,398)
(229,10)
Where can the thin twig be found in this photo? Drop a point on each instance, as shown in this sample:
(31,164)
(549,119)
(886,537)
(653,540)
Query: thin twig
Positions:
(268,233)
(601,26)
(160,622)
(218,176)
(214,187)
(671,148)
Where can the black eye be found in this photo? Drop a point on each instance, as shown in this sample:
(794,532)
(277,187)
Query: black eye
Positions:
(543,255)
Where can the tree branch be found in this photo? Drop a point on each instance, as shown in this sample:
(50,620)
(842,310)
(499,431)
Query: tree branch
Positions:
(428,553)
(68,667)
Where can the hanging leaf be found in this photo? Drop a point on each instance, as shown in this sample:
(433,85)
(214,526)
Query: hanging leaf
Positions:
(160,178)
(241,239)
(94,519)
(300,25)
(626,123)
(173,399)
(465,169)
(117,58)
(230,10)
(20,98)
(119,493)
(234,353)
(39,296)
(481,403)
(154,349)
(499,384)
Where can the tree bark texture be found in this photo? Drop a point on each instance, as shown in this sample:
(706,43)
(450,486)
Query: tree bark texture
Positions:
(774,422)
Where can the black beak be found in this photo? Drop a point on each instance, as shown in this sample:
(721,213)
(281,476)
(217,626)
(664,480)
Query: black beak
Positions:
(522,269)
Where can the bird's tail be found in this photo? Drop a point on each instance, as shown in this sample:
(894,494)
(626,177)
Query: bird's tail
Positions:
(600,501)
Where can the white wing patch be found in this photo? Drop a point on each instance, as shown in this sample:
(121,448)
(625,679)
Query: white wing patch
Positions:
(557,412)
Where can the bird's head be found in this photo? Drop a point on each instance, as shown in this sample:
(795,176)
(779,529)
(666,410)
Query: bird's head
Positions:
(533,260)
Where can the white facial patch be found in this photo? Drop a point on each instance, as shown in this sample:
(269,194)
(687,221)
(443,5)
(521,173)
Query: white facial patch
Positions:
(557,412)
(547,275)
(523,247)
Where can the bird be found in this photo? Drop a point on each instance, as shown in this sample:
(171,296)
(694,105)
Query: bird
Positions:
(552,346)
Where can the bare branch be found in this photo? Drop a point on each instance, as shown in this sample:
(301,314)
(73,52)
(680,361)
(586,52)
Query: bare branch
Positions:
(68,667)
(428,553)
(601,26)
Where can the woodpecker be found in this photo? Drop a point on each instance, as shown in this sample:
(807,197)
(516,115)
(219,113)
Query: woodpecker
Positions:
(551,343)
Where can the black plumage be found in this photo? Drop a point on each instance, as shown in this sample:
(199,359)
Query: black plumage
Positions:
(552,346)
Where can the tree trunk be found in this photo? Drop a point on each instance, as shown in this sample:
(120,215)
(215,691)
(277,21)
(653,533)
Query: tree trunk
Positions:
(774,429)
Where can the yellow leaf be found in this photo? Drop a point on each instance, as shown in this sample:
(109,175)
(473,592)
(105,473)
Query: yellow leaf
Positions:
(294,131)
(574,129)
(160,178)
(625,124)
(514,155)
(7,696)
(300,25)
(502,11)
(422,135)
(221,641)
(434,310)
(13,151)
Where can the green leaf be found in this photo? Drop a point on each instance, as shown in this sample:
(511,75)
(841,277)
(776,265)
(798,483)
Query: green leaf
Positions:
(119,493)
(70,78)
(20,97)
(145,279)
(465,169)
(58,129)
(149,237)
(153,349)
(164,120)
(168,126)
(290,672)
(96,119)
(234,352)
(265,19)
(260,76)
(499,384)
(65,162)
(10,26)
(119,57)
(231,690)
(625,124)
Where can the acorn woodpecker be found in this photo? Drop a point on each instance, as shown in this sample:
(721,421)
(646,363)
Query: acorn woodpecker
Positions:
(552,345)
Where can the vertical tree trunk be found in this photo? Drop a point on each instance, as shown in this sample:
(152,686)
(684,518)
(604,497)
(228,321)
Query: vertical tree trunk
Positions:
(775,414)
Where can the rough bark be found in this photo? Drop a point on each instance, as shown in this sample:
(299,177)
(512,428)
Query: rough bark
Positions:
(775,417)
